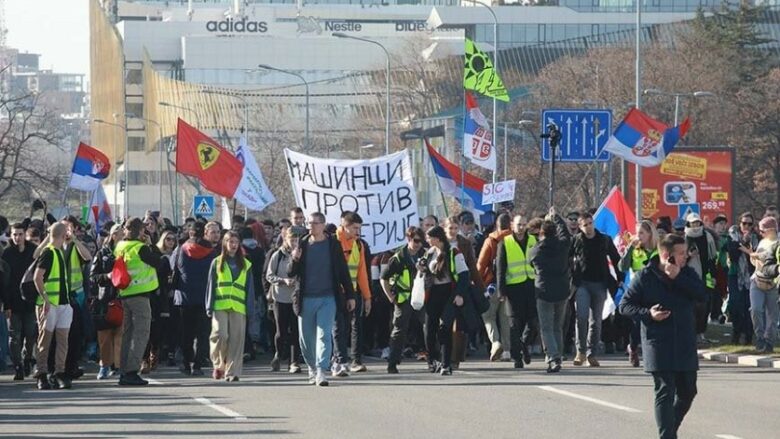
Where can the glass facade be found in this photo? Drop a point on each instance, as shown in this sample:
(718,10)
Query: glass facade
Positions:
(630,5)
(514,35)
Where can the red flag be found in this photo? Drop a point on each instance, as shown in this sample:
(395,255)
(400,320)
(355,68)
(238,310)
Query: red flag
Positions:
(200,156)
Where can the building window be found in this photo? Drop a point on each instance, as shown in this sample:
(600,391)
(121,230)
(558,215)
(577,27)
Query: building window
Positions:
(136,143)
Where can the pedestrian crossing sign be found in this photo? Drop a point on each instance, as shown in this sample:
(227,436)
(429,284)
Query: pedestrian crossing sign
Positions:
(203,205)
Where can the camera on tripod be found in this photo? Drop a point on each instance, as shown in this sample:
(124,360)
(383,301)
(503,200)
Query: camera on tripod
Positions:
(554,134)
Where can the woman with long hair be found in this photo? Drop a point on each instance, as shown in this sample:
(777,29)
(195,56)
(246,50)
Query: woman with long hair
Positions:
(102,292)
(159,330)
(228,302)
(282,287)
(448,277)
(643,248)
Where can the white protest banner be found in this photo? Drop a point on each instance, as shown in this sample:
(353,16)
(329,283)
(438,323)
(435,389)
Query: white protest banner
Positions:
(381,190)
(498,192)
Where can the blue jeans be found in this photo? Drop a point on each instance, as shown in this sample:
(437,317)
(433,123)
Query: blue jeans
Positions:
(315,330)
(739,310)
(764,312)
(4,348)
(589,303)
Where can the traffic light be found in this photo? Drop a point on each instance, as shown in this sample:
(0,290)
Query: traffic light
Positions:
(121,185)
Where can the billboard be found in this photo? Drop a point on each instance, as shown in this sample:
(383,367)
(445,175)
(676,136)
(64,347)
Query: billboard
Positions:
(691,179)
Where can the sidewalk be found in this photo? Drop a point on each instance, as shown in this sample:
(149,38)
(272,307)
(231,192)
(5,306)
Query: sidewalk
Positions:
(740,359)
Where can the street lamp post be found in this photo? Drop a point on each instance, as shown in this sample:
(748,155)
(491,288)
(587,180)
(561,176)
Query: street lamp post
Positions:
(387,83)
(305,83)
(116,176)
(159,129)
(677,96)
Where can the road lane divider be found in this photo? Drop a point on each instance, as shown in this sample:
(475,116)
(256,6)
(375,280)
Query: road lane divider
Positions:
(589,399)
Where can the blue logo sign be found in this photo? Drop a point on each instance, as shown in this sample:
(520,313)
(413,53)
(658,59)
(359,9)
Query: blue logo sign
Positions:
(683,210)
(584,133)
(203,205)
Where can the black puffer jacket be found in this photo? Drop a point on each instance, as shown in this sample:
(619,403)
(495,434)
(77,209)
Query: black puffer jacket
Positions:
(550,259)
(101,289)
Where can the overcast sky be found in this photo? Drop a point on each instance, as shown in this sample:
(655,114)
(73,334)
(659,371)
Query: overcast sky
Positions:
(56,29)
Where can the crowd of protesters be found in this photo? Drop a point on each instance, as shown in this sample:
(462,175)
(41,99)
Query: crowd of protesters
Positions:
(207,298)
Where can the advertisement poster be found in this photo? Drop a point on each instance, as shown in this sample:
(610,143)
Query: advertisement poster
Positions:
(689,180)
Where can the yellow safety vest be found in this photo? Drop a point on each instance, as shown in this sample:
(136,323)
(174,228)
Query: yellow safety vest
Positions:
(231,294)
(639,258)
(76,271)
(353,262)
(402,283)
(51,284)
(518,269)
(143,277)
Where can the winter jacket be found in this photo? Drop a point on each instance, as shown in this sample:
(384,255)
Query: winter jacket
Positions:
(606,248)
(101,289)
(342,284)
(668,345)
(550,259)
(192,272)
(362,275)
(466,247)
(486,263)
(18,262)
(278,267)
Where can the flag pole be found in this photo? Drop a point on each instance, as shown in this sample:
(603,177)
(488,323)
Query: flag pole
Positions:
(461,155)
(438,184)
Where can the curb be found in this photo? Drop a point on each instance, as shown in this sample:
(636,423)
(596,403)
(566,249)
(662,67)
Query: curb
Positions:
(740,359)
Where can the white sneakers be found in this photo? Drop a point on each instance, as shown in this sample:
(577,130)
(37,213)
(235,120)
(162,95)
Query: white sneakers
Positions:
(339,370)
(312,376)
(320,379)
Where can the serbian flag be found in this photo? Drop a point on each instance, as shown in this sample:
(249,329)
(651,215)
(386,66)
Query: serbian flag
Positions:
(99,209)
(449,176)
(615,219)
(477,137)
(89,168)
(199,156)
(645,141)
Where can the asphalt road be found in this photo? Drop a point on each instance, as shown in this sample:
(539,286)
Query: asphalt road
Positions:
(481,400)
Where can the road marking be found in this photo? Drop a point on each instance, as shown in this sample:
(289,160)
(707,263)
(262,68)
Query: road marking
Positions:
(154,382)
(589,399)
(727,436)
(224,410)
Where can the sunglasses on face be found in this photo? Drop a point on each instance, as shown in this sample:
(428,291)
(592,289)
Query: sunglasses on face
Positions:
(747,223)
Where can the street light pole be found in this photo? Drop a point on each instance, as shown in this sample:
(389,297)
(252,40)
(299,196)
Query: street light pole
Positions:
(306,84)
(387,83)
(159,129)
(637,103)
(677,96)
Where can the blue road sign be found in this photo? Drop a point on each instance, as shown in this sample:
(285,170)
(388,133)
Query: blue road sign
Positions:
(684,209)
(583,134)
(203,205)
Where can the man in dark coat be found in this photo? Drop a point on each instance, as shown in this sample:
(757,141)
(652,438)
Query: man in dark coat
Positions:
(550,259)
(663,296)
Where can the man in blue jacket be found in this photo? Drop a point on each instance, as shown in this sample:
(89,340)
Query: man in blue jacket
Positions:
(662,296)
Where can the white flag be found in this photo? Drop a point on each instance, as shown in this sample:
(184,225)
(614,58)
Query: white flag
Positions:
(477,136)
(226,223)
(252,191)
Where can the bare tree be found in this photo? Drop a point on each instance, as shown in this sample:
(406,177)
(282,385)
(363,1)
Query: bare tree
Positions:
(29,133)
